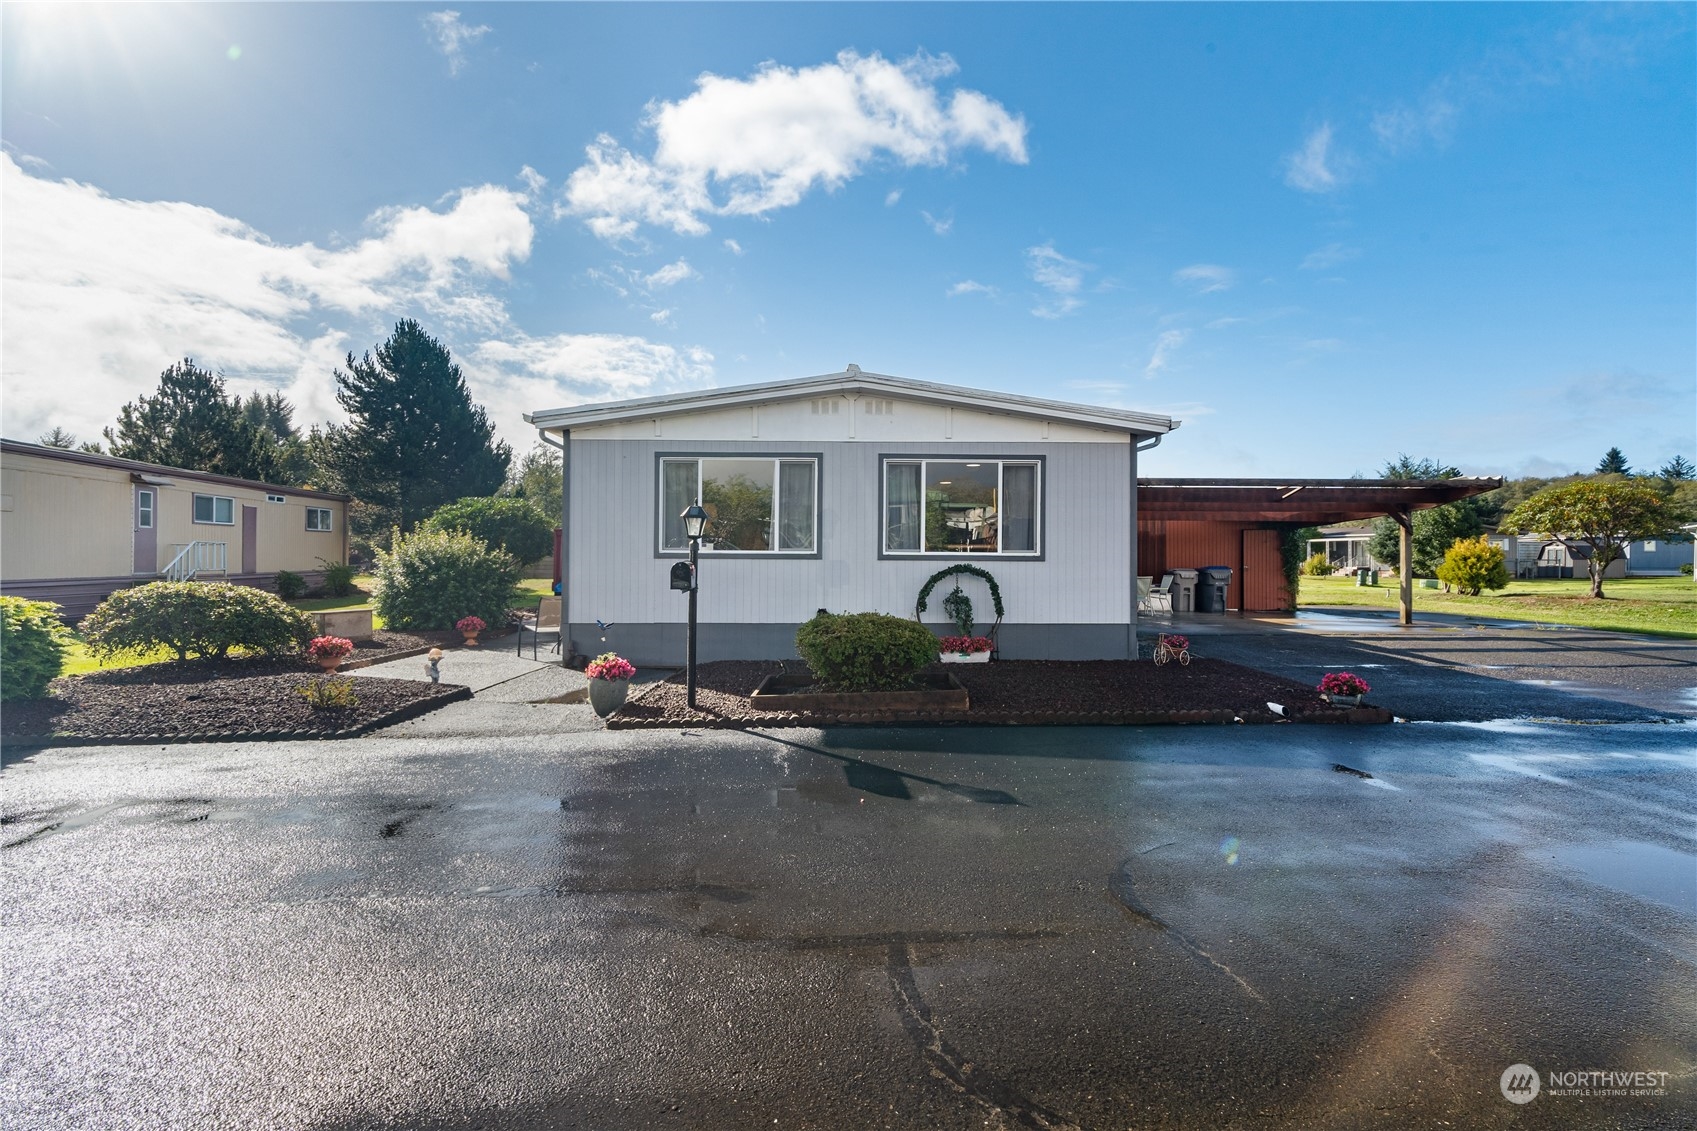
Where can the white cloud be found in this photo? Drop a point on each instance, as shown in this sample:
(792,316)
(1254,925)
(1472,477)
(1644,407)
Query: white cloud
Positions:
(746,147)
(1206,278)
(892,197)
(941,225)
(1060,276)
(733,247)
(1405,127)
(1165,345)
(452,37)
(971,287)
(1313,168)
(100,294)
(562,369)
(1329,256)
(661,317)
(672,274)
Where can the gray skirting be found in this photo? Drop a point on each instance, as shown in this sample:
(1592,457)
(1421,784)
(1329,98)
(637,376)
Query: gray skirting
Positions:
(662,645)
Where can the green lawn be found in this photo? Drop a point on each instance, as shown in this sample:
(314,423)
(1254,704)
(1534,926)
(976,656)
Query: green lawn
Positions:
(81,661)
(1664,606)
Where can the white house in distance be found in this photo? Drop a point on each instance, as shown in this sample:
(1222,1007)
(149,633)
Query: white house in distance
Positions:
(76,526)
(846,492)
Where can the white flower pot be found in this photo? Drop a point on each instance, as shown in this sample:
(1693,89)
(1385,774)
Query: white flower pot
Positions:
(964,657)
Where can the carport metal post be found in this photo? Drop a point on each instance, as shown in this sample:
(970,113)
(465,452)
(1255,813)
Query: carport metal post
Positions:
(1405,547)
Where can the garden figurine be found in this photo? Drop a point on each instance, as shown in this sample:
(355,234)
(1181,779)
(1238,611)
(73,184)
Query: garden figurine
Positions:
(432,665)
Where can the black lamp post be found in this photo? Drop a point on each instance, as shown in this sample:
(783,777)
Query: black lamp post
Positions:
(695,524)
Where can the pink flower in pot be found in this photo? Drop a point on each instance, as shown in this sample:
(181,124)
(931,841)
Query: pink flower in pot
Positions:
(469,627)
(329,651)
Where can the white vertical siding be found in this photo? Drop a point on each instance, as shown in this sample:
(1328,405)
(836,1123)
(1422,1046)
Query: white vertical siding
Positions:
(1085,577)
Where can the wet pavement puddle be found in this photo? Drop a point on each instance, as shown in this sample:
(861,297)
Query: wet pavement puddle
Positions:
(1645,871)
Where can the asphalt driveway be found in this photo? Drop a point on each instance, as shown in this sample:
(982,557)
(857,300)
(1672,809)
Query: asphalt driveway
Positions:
(1063,927)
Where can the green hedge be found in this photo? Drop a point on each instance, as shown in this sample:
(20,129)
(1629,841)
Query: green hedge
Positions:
(865,651)
(517,526)
(432,578)
(33,645)
(195,618)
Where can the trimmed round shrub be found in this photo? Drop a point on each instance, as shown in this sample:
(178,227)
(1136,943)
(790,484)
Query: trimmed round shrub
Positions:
(1472,565)
(517,526)
(865,651)
(33,645)
(195,618)
(433,578)
(290,585)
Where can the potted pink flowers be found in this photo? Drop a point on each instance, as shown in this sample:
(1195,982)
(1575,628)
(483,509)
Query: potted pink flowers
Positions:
(1171,646)
(1344,689)
(469,627)
(609,679)
(329,651)
(965,649)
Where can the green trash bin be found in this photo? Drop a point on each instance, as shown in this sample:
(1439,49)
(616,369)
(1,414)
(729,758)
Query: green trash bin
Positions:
(1361,576)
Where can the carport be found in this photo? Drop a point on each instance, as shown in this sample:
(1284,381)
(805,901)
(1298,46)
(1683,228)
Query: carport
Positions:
(1237,522)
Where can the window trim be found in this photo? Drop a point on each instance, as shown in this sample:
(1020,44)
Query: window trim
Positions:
(1041,523)
(270,498)
(818,459)
(213,521)
(329,520)
(151,509)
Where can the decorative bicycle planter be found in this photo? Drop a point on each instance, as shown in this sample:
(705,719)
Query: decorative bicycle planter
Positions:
(1171,648)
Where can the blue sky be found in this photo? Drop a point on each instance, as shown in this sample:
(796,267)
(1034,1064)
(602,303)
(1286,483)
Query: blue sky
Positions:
(1320,235)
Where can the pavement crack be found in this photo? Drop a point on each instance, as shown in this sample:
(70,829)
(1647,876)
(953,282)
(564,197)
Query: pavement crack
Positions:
(27,837)
(948,1064)
(1120,890)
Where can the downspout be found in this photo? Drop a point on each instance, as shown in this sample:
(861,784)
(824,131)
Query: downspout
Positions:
(1144,445)
(567,649)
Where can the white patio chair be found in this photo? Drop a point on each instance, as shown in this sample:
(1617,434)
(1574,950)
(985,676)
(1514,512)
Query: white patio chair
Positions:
(546,623)
(1159,599)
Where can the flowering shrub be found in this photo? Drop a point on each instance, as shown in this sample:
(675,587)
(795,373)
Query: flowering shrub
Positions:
(1174,641)
(470,624)
(971,645)
(1343,683)
(329,647)
(610,665)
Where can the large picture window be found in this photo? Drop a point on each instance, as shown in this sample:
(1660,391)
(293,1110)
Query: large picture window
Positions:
(215,509)
(754,504)
(985,506)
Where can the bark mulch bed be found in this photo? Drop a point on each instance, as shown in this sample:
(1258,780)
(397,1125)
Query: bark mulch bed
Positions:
(204,701)
(1013,693)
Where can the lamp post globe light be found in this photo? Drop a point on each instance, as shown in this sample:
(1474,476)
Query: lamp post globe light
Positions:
(695,524)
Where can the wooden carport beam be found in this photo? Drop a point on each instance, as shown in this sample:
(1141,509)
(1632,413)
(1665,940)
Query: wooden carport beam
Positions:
(1405,549)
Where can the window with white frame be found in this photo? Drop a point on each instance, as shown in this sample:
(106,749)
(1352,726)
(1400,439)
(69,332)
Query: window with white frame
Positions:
(276,499)
(215,509)
(318,518)
(963,506)
(754,504)
(144,510)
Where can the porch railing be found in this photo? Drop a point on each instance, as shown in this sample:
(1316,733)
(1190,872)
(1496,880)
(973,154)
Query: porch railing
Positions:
(197,558)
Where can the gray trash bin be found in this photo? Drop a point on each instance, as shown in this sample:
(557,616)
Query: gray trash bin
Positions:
(1211,591)
(1183,590)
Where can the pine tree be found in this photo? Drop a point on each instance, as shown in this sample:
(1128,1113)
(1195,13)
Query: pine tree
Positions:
(192,422)
(414,440)
(57,437)
(1677,468)
(1436,529)
(1613,463)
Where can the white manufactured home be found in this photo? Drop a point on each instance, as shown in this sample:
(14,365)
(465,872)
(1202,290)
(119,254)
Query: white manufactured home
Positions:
(847,492)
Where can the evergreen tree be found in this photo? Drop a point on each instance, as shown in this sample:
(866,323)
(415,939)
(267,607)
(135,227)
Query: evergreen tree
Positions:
(1678,468)
(414,440)
(1613,463)
(191,422)
(537,476)
(1436,528)
(57,438)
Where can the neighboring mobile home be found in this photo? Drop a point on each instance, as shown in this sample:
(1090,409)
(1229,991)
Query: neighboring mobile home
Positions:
(75,526)
(847,492)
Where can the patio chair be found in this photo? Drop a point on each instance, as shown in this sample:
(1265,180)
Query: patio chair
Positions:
(1159,598)
(547,622)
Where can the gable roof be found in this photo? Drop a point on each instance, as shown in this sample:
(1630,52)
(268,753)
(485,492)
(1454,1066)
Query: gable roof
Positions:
(158,473)
(852,381)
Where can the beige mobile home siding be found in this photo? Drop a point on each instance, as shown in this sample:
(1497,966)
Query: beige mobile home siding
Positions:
(66,521)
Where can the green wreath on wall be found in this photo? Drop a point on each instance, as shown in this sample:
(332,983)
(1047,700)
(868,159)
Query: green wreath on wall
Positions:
(970,570)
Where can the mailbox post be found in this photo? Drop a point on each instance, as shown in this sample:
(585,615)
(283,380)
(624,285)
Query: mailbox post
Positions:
(695,524)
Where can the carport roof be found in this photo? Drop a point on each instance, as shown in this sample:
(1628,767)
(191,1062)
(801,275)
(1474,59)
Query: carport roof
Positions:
(1313,502)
